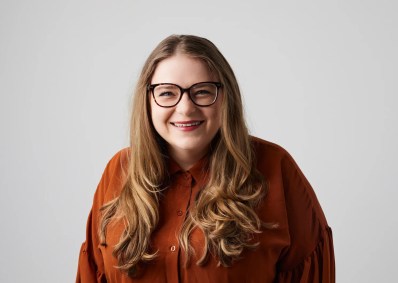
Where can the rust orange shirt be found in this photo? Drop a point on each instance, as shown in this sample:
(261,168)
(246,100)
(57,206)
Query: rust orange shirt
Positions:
(300,249)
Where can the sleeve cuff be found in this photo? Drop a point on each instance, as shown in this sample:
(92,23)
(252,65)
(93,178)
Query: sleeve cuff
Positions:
(319,266)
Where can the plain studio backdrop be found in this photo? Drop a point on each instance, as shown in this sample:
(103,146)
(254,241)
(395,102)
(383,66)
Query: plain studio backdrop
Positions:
(318,77)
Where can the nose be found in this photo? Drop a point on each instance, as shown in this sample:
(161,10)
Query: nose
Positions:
(186,105)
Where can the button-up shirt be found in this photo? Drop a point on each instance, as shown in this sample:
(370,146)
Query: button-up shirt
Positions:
(300,249)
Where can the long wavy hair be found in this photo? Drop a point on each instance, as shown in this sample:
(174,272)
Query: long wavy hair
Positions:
(225,209)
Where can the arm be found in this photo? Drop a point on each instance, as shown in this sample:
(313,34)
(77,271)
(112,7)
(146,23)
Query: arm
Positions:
(310,256)
(91,265)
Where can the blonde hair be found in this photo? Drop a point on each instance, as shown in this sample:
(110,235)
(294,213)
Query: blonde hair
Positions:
(224,210)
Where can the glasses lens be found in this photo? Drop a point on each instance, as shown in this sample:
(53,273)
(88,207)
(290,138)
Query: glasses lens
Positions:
(204,93)
(166,95)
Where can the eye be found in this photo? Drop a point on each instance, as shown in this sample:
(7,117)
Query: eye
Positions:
(166,91)
(202,92)
(166,94)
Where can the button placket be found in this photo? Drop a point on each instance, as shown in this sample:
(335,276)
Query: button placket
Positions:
(179,199)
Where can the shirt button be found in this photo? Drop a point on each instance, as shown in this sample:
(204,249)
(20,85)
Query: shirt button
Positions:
(179,212)
(173,248)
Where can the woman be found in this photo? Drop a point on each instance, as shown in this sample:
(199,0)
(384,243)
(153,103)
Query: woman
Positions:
(195,198)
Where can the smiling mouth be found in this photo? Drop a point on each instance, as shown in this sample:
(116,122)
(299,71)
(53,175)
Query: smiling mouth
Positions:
(188,124)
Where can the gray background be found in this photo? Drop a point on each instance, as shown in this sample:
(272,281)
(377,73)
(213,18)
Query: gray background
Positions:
(318,78)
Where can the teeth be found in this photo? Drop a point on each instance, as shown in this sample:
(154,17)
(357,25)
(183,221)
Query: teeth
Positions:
(187,125)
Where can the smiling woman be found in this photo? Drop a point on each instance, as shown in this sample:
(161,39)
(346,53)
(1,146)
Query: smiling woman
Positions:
(187,128)
(194,198)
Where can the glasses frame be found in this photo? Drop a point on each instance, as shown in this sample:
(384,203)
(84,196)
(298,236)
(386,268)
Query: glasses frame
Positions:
(151,87)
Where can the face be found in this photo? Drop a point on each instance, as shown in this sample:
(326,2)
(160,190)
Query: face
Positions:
(187,128)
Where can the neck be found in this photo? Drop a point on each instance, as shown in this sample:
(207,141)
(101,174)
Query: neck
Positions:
(186,158)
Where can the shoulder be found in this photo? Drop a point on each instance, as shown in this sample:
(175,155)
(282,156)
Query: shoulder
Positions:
(119,159)
(114,176)
(271,156)
(118,164)
(266,147)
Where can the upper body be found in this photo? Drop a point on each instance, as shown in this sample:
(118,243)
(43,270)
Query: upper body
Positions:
(196,199)
(299,249)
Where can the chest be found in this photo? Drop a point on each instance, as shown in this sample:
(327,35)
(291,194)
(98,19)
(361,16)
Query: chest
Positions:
(256,265)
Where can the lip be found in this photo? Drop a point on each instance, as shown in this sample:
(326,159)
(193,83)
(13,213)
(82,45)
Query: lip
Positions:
(187,125)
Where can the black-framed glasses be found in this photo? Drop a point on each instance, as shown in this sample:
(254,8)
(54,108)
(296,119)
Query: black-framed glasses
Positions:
(168,95)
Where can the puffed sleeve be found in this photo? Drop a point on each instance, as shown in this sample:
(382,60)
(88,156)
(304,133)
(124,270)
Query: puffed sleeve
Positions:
(309,257)
(91,265)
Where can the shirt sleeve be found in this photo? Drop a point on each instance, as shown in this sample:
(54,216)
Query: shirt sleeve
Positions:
(91,265)
(310,257)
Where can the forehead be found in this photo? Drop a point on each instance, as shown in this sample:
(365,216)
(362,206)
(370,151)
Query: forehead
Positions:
(183,70)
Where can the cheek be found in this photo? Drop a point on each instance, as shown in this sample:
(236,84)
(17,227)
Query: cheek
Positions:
(217,114)
(155,116)
(159,116)
(215,118)
(219,119)
(153,111)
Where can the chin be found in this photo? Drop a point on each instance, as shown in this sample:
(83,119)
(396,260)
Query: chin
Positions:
(188,145)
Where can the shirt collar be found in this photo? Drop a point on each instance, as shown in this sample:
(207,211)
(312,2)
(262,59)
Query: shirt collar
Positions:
(198,171)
